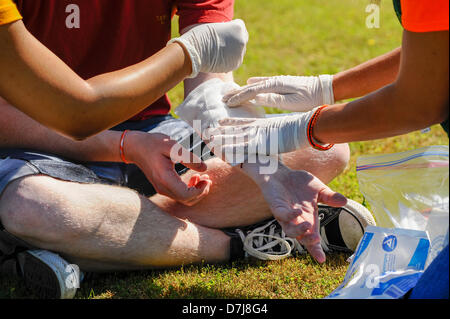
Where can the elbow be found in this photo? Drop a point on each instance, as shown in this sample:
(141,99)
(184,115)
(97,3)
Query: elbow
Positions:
(86,118)
(437,113)
(418,108)
(78,132)
(82,125)
(79,136)
(442,113)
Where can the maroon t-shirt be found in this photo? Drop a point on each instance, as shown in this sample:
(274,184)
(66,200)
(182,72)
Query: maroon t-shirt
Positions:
(99,36)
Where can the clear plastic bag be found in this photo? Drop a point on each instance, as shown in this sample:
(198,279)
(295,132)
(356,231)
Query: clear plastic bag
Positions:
(409,190)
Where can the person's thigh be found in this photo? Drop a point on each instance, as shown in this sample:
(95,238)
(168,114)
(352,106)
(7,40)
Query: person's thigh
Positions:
(108,224)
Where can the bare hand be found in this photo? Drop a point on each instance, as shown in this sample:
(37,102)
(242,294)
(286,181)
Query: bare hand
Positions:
(152,153)
(293,197)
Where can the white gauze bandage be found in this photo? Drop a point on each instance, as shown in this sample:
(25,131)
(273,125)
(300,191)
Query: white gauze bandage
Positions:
(203,108)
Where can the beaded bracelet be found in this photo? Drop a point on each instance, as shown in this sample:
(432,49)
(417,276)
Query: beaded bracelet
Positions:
(311,124)
(122,153)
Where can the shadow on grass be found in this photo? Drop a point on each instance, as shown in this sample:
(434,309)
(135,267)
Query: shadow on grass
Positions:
(203,281)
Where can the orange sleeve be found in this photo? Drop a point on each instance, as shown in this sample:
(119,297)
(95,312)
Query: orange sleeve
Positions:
(425,15)
(8,12)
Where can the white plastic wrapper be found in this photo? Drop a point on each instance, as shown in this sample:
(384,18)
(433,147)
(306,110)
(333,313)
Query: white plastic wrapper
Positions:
(386,265)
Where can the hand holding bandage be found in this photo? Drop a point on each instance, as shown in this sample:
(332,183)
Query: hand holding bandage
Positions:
(203,108)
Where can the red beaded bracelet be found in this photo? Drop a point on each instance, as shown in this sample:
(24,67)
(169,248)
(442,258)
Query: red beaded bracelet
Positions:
(121,145)
(311,124)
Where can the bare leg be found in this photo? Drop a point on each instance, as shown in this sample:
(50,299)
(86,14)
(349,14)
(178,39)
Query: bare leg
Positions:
(110,228)
(235,200)
(104,227)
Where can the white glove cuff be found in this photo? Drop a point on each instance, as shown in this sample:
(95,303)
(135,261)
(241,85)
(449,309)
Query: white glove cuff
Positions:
(326,81)
(195,58)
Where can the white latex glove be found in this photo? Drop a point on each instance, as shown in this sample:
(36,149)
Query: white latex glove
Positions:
(215,47)
(269,136)
(294,93)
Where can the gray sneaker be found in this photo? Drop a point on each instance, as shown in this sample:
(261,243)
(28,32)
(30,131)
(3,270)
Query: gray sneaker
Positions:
(48,275)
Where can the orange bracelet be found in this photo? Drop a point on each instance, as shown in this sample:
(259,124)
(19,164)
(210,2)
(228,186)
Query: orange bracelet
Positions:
(121,145)
(311,124)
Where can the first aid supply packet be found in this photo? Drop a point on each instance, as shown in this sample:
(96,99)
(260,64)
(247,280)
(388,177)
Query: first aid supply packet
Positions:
(387,263)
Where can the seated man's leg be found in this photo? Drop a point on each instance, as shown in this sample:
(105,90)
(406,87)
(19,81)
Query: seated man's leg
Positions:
(105,225)
(235,200)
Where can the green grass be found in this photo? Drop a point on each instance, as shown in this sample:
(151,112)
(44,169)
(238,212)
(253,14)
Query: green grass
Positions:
(300,37)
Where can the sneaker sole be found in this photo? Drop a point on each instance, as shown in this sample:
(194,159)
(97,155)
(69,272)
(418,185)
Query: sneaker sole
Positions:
(39,277)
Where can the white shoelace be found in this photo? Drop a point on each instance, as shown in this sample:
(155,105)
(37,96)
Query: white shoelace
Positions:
(260,242)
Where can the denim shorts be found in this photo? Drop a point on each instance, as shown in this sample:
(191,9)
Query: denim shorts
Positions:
(18,163)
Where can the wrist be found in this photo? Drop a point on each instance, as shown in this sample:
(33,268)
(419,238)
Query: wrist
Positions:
(129,146)
(341,87)
(190,52)
(262,168)
(310,131)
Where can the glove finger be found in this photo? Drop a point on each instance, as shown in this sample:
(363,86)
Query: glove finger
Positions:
(257,79)
(232,121)
(249,92)
(270,100)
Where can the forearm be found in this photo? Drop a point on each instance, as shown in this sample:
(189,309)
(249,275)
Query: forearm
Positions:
(387,112)
(130,89)
(71,105)
(417,99)
(372,117)
(17,130)
(367,77)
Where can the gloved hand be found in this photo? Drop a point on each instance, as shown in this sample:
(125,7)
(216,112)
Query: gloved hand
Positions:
(294,93)
(269,136)
(215,47)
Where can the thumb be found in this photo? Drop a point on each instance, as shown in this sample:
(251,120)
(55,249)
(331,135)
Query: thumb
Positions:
(331,198)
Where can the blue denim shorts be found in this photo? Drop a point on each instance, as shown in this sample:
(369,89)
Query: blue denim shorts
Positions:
(18,163)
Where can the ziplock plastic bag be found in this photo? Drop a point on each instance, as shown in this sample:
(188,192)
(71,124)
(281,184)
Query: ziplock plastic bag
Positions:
(409,190)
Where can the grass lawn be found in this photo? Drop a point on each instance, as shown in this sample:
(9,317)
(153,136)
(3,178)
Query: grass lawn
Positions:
(294,38)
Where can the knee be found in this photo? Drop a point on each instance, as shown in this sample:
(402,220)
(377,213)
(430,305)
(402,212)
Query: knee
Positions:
(25,211)
(325,165)
(340,156)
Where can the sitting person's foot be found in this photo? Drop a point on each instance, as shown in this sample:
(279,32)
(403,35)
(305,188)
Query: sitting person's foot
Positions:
(48,275)
(341,228)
